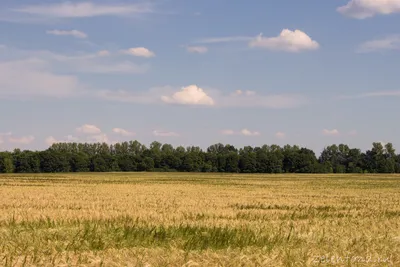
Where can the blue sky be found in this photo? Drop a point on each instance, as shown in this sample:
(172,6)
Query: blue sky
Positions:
(311,73)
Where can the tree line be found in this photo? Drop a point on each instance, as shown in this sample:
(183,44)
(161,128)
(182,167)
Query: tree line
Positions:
(133,156)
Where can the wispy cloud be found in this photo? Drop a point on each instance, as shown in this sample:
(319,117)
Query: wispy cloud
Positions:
(362,9)
(83,9)
(197,49)
(391,42)
(394,93)
(102,62)
(74,33)
(287,40)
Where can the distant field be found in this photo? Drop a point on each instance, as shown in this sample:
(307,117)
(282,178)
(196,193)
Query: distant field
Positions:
(186,219)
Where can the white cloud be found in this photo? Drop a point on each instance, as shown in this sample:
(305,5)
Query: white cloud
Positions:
(190,95)
(24,140)
(82,10)
(140,52)
(388,43)
(123,132)
(246,132)
(164,133)
(74,33)
(33,77)
(227,132)
(333,132)
(289,41)
(197,49)
(88,129)
(362,9)
(224,39)
(280,135)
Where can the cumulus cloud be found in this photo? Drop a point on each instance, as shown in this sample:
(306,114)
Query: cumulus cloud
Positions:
(123,132)
(333,132)
(82,9)
(289,41)
(24,140)
(190,95)
(280,135)
(164,133)
(88,129)
(197,49)
(140,52)
(247,132)
(388,43)
(362,9)
(74,33)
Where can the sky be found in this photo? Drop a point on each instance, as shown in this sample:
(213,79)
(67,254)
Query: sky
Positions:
(310,73)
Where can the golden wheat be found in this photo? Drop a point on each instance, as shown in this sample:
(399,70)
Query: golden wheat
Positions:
(181,219)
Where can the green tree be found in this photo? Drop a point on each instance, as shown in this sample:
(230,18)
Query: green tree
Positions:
(6,162)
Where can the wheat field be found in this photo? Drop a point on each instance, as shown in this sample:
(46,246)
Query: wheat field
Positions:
(185,219)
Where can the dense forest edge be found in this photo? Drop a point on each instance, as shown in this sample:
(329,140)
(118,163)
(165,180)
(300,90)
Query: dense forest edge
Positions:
(133,156)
